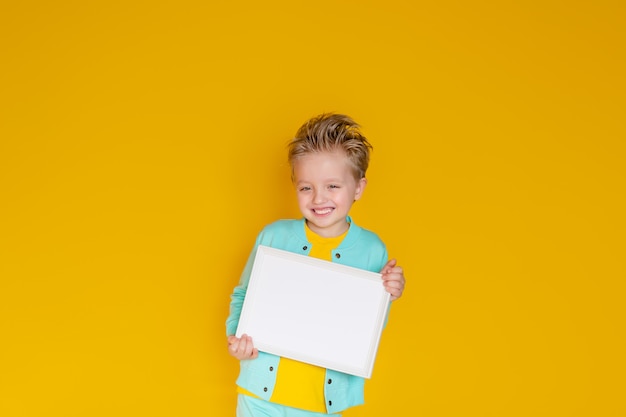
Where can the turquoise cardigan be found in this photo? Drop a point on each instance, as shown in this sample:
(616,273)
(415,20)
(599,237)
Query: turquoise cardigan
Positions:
(360,249)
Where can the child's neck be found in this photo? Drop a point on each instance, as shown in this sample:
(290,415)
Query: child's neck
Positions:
(328,233)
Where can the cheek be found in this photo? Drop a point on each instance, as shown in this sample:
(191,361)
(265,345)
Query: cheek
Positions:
(302,199)
(349,197)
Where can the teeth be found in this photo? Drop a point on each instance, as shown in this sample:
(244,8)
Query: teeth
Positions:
(323,211)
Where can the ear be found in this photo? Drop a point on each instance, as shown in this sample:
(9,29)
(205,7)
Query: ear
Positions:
(360,186)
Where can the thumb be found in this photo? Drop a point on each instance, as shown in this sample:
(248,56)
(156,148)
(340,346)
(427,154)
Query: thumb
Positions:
(390,264)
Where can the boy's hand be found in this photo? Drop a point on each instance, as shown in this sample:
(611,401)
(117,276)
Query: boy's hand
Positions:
(242,348)
(393,279)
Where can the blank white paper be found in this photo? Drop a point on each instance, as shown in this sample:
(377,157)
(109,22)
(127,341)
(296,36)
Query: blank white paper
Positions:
(314,311)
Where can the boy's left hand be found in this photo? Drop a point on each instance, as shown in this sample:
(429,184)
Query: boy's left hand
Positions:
(393,279)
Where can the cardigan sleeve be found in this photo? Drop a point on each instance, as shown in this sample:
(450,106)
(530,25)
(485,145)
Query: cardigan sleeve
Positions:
(239,294)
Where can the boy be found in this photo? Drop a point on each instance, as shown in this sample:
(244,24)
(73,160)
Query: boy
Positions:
(329,157)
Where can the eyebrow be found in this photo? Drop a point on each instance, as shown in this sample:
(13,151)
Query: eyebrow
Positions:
(328,180)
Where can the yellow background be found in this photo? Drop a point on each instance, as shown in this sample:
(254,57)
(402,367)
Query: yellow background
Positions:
(142,147)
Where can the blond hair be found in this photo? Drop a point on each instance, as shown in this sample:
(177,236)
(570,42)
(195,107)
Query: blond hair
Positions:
(330,132)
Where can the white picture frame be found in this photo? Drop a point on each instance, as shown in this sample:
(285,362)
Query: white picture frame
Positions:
(314,311)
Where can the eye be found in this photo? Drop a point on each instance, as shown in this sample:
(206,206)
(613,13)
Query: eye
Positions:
(304,189)
(333,186)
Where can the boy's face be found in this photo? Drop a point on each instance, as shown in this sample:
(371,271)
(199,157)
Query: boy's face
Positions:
(326,188)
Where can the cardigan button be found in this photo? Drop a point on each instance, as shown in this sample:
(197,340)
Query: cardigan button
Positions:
(271,368)
(305,247)
(330,403)
(337,255)
(265,389)
(330,381)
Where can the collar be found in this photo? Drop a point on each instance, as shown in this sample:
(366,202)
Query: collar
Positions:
(351,237)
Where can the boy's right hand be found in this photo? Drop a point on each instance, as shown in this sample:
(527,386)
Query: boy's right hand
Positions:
(242,348)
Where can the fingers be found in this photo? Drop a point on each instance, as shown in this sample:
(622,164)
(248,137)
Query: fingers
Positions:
(388,266)
(394,288)
(393,279)
(242,348)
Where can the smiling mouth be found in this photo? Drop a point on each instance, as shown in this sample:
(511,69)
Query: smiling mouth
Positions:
(322,211)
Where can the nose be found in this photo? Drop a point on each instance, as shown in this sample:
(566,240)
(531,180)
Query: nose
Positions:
(320,196)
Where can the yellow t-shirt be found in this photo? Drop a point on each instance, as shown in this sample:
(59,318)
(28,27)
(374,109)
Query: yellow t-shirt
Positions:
(299,384)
